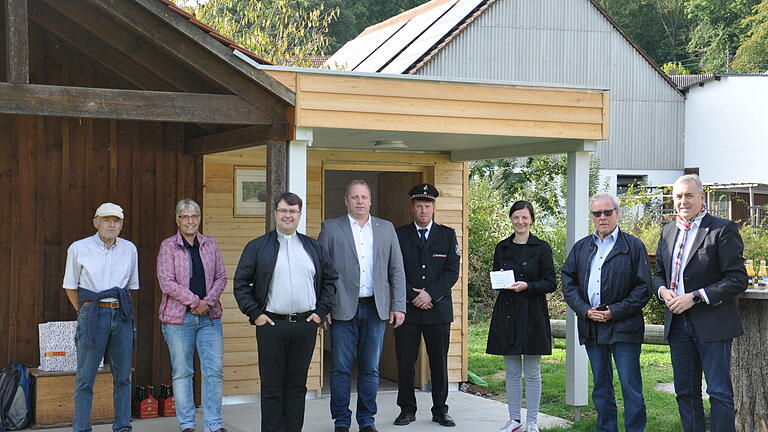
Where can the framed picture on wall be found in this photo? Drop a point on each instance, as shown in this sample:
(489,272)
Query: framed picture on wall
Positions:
(250,191)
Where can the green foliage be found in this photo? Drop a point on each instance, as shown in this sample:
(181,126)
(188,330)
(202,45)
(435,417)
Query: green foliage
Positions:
(660,27)
(752,55)
(488,224)
(755,242)
(716,33)
(285,32)
(677,67)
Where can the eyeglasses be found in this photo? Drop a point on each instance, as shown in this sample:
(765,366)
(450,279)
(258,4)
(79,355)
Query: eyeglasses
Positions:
(598,213)
(291,212)
(193,217)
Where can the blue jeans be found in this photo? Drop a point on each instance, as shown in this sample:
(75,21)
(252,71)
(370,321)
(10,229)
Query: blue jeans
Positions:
(364,335)
(627,359)
(115,336)
(691,356)
(205,334)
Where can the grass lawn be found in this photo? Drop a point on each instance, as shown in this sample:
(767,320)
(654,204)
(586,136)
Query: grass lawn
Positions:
(654,361)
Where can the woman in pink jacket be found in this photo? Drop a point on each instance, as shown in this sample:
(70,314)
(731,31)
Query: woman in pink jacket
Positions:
(192,276)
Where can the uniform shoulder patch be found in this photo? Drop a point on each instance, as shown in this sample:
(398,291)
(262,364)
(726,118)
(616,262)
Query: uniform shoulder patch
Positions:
(458,250)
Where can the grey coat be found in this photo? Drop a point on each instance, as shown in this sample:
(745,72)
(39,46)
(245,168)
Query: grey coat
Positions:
(388,276)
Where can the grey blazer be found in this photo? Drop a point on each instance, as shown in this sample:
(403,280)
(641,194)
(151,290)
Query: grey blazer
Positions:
(388,276)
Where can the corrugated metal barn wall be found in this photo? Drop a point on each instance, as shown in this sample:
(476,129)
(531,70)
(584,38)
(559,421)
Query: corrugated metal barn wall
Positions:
(570,42)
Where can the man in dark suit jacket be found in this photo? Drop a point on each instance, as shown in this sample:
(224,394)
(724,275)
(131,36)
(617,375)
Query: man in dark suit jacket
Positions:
(699,272)
(431,260)
(370,290)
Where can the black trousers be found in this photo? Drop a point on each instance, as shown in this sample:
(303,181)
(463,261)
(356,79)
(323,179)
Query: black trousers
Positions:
(407,340)
(285,351)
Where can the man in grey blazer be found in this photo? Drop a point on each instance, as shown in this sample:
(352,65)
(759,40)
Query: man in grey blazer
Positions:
(370,290)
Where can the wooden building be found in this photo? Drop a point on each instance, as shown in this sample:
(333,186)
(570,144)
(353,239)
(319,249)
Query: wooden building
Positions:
(139,104)
(101,101)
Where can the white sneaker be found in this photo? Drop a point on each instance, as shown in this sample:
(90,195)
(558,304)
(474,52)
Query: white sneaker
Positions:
(532,427)
(512,426)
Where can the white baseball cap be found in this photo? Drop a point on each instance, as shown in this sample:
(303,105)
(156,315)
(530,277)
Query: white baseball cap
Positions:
(109,209)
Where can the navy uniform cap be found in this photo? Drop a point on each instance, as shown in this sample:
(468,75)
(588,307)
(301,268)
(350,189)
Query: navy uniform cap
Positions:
(424,191)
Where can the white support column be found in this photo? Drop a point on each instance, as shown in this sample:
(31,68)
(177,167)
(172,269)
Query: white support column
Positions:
(577,225)
(297,169)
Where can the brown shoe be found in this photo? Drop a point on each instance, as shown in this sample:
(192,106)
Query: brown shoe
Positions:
(188,430)
(220,430)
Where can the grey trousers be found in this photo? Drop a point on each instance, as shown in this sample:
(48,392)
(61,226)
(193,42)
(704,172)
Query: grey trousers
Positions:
(516,366)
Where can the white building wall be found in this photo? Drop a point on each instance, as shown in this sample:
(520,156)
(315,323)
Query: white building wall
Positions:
(726,130)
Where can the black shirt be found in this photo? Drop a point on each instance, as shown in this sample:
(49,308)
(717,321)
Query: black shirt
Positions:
(197,280)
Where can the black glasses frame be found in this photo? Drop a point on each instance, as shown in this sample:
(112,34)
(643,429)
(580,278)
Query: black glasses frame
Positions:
(608,212)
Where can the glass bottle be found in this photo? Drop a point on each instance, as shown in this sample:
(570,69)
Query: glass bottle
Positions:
(750,267)
(762,275)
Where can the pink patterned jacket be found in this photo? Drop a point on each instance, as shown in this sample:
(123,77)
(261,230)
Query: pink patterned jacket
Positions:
(173,267)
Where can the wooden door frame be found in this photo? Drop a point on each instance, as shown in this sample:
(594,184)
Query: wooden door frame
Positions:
(427,170)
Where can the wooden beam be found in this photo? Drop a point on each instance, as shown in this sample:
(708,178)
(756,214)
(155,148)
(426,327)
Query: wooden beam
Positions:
(192,46)
(277,176)
(17,41)
(60,101)
(103,53)
(251,136)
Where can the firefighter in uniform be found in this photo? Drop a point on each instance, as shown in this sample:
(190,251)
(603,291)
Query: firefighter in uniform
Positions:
(431,258)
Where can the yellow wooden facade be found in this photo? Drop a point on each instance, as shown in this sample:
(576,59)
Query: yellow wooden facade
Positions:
(338,101)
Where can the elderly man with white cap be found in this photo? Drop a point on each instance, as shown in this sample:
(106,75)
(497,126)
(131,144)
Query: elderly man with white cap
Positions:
(99,272)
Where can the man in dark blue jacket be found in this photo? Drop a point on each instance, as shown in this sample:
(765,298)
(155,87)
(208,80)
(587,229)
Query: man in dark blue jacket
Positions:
(605,282)
(431,260)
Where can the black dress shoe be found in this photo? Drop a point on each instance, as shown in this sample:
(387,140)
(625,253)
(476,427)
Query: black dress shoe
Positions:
(404,419)
(370,428)
(444,420)
(340,429)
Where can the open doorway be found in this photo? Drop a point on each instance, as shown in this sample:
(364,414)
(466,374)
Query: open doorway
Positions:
(389,190)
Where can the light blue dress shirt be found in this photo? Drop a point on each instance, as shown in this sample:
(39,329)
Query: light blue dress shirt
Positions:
(604,247)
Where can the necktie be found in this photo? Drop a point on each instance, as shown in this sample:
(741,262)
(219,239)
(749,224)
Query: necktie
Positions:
(423,235)
(684,226)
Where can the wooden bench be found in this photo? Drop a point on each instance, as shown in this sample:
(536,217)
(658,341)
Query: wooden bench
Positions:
(54,399)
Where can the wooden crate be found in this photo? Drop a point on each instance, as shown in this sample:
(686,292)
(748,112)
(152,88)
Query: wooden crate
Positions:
(54,398)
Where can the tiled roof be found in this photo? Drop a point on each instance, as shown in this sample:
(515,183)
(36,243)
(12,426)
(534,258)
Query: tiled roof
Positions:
(213,33)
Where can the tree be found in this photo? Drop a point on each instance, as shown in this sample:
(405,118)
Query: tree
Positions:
(285,32)
(752,55)
(538,179)
(660,27)
(675,68)
(717,32)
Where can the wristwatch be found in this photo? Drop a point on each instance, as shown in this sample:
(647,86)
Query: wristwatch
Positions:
(696,297)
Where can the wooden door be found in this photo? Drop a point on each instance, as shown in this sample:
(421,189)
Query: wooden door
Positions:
(394,205)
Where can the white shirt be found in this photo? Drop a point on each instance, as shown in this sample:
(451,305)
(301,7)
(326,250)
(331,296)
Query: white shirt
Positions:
(93,266)
(428,228)
(364,245)
(292,288)
(604,247)
(688,243)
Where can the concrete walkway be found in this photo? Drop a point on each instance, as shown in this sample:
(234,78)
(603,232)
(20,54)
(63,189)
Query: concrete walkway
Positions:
(471,413)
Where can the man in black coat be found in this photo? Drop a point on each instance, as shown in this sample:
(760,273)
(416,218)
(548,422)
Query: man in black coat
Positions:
(284,284)
(605,282)
(431,259)
(699,272)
